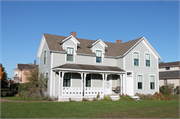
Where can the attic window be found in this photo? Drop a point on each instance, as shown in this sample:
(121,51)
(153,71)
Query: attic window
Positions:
(70,54)
(98,56)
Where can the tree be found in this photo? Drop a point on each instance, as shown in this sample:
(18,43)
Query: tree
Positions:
(3,76)
(36,86)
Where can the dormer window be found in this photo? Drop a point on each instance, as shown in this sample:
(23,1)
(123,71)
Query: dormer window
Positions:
(70,54)
(98,56)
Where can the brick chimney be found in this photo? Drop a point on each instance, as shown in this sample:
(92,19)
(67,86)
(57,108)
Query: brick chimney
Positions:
(34,62)
(119,41)
(73,34)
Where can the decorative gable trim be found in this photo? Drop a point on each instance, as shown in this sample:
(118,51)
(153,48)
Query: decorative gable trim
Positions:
(148,45)
(71,36)
(43,40)
(97,41)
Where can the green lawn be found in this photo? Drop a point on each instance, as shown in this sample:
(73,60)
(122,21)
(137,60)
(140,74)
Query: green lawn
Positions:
(96,109)
(18,98)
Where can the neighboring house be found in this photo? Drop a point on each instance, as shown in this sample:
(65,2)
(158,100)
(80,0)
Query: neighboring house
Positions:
(20,73)
(169,73)
(79,67)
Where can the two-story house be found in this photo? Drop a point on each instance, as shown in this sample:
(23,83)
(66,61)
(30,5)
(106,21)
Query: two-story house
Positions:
(21,72)
(169,73)
(79,67)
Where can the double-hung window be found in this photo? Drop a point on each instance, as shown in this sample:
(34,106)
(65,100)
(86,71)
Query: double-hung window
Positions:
(136,59)
(140,81)
(152,82)
(70,54)
(45,57)
(147,56)
(98,56)
(67,78)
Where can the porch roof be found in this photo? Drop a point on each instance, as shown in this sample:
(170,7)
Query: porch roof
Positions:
(88,68)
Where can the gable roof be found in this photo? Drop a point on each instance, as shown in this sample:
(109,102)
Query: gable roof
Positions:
(26,66)
(113,49)
(169,64)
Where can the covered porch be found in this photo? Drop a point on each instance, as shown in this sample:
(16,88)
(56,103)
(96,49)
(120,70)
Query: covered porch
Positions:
(76,81)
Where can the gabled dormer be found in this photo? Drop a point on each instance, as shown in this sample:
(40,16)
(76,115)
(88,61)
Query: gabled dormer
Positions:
(98,47)
(70,44)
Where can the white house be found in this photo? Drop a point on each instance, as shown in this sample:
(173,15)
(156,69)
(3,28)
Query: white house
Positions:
(79,67)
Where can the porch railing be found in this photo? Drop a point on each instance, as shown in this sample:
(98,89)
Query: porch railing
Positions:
(93,91)
(72,91)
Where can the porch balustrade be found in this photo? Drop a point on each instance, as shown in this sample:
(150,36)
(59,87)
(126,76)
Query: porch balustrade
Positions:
(93,91)
(72,91)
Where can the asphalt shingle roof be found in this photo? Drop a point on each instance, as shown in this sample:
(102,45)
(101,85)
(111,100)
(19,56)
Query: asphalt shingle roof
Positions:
(26,66)
(169,64)
(169,75)
(89,67)
(113,49)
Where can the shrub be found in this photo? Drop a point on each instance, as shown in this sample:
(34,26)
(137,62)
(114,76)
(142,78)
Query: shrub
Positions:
(95,99)
(167,89)
(108,98)
(4,93)
(98,95)
(70,100)
(177,89)
(13,87)
(125,98)
(166,97)
(143,96)
(84,99)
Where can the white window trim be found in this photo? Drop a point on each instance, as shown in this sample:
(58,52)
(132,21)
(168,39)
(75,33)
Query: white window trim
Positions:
(73,53)
(145,59)
(102,56)
(154,81)
(142,82)
(133,58)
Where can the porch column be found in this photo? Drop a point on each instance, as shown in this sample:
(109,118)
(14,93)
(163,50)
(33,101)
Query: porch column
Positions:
(124,84)
(54,83)
(62,79)
(121,83)
(84,83)
(106,84)
(59,83)
(81,83)
(103,82)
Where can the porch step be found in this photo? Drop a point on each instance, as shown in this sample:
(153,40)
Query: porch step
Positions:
(114,96)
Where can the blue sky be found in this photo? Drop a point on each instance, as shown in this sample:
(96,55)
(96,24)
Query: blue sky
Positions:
(23,23)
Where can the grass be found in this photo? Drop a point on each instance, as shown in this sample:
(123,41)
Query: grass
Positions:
(19,99)
(96,109)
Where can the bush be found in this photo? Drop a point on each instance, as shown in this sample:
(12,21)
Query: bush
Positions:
(98,95)
(4,93)
(95,99)
(14,87)
(167,97)
(167,89)
(144,97)
(107,98)
(84,99)
(125,98)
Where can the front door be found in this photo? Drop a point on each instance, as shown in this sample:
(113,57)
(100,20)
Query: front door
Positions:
(108,85)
